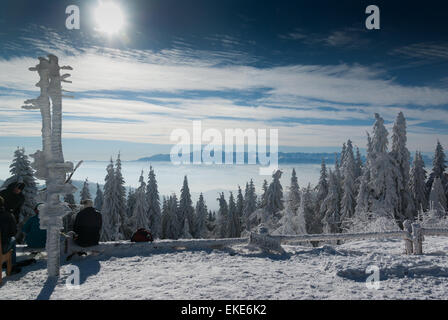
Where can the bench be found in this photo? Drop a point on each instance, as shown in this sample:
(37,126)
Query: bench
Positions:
(7,257)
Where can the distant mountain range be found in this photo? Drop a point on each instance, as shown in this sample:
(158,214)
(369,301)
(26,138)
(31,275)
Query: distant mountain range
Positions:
(296,157)
(283,157)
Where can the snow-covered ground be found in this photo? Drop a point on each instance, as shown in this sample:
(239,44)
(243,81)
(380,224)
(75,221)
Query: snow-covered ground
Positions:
(326,272)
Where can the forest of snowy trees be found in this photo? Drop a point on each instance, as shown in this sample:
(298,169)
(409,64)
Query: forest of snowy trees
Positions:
(353,196)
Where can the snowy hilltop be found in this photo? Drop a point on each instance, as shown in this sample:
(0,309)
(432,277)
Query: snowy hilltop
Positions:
(327,272)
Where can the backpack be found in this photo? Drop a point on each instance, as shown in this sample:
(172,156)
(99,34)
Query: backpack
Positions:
(142,235)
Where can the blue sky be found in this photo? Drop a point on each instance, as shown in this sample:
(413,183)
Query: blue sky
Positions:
(307,68)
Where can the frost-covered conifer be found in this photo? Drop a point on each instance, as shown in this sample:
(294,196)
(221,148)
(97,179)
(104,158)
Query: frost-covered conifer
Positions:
(417,183)
(401,155)
(233,221)
(85,192)
(223,216)
(111,218)
(250,203)
(99,199)
(330,208)
(294,193)
(186,210)
(437,198)
(348,201)
(274,195)
(438,168)
(201,218)
(140,218)
(21,171)
(152,194)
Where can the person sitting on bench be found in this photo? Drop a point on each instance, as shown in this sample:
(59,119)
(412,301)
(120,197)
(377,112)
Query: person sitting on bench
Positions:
(87,225)
(35,237)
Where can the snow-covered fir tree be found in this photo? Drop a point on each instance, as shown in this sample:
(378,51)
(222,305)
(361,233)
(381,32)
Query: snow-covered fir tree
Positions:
(201,218)
(186,234)
(186,210)
(331,206)
(358,164)
(223,216)
(120,200)
(293,220)
(378,191)
(130,202)
(170,219)
(240,203)
(274,194)
(140,217)
(322,186)
(85,192)
(233,220)
(110,214)
(99,199)
(152,194)
(402,158)
(348,200)
(313,220)
(21,171)
(438,168)
(417,183)
(250,203)
(294,193)
(263,199)
(211,224)
(437,198)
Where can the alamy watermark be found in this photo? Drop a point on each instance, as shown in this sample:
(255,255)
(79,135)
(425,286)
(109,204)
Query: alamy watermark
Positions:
(373,280)
(190,148)
(73,280)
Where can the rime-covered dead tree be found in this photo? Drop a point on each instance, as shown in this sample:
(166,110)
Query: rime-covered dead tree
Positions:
(49,163)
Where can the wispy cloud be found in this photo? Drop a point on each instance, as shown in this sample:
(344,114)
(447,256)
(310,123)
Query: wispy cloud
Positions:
(424,50)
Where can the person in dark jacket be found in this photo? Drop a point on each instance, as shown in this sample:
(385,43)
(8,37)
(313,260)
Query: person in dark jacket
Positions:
(35,237)
(8,230)
(88,225)
(13,198)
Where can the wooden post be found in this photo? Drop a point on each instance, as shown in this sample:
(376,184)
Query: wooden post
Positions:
(409,248)
(417,238)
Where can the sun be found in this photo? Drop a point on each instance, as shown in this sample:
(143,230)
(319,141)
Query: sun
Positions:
(109,18)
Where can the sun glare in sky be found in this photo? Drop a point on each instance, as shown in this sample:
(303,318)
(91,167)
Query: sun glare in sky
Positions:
(109,18)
